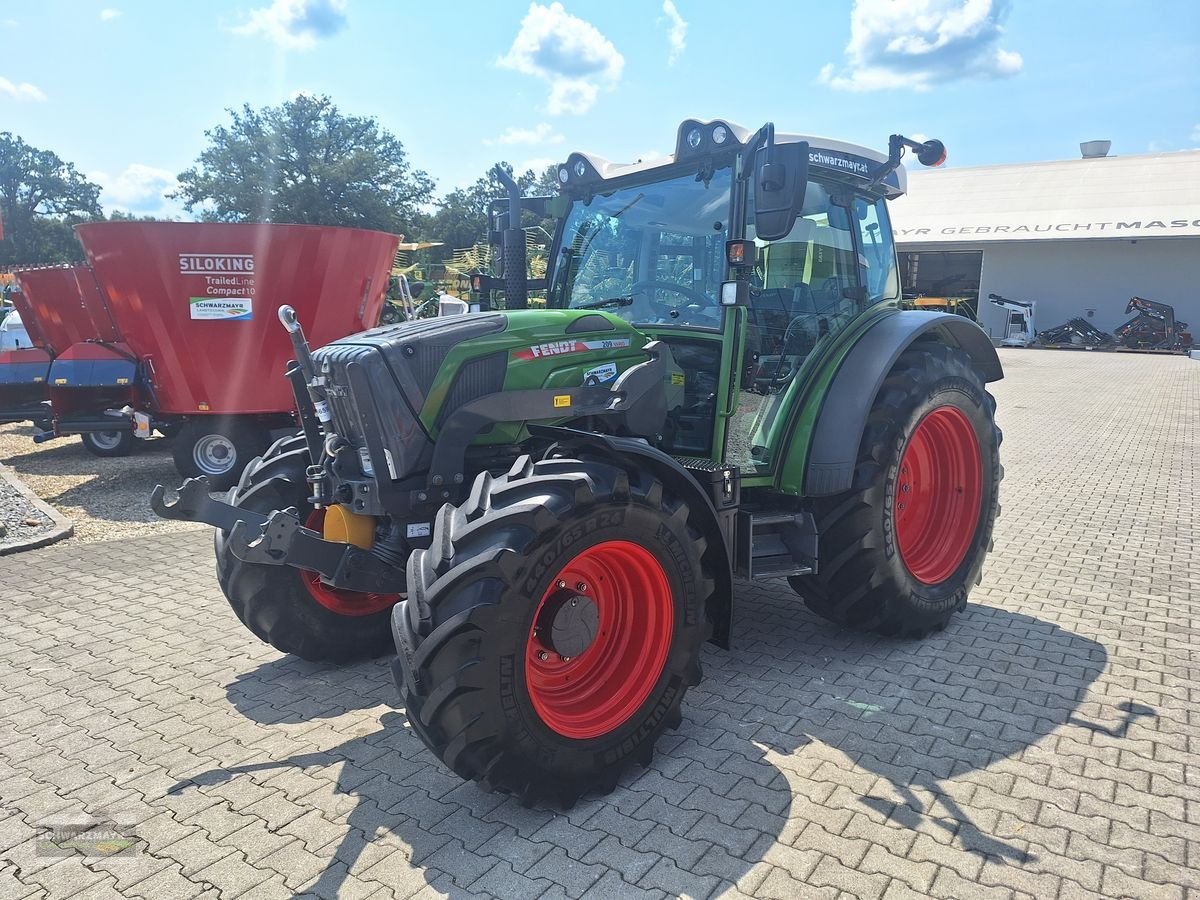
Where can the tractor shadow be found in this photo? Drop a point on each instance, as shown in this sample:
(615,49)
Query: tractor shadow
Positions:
(287,690)
(800,712)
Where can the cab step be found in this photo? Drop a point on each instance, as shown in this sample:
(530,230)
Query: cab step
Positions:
(776,544)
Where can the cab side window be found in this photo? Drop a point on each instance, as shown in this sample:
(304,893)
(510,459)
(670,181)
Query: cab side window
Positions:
(878,260)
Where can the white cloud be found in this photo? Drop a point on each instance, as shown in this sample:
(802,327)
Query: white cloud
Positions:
(570,54)
(107,15)
(918,44)
(8,23)
(542,133)
(140,189)
(676,33)
(20,91)
(1195,135)
(295,24)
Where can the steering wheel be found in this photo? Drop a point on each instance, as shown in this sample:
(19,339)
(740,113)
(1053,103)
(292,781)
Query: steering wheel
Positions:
(661,309)
(796,332)
(676,288)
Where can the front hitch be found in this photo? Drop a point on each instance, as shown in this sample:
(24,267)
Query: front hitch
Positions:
(192,501)
(278,539)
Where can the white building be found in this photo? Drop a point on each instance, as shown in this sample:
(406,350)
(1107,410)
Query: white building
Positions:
(1078,236)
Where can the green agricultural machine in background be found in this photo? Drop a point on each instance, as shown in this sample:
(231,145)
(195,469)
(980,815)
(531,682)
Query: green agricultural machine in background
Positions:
(546,510)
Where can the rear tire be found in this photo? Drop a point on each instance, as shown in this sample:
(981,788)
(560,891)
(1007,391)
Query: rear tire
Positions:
(107,444)
(905,571)
(218,448)
(483,685)
(280,604)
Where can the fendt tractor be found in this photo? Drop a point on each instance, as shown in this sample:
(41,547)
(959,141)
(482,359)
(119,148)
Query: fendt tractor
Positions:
(547,508)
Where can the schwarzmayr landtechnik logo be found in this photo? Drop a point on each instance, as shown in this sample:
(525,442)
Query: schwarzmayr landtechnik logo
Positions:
(225,309)
(95,836)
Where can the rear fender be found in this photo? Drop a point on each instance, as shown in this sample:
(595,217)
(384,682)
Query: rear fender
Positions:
(833,449)
(630,453)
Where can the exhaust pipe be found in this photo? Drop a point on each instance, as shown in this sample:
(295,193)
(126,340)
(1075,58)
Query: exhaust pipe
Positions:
(513,246)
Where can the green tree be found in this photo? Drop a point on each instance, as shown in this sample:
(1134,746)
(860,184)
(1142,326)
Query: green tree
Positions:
(461,217)
(41,197)
(305,162)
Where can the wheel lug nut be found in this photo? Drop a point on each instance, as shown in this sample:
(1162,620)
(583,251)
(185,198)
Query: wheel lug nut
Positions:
(581,587)
(565,658)
(543,655)
(562,584)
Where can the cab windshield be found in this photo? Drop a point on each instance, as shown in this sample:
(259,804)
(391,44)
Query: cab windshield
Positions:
(653,254)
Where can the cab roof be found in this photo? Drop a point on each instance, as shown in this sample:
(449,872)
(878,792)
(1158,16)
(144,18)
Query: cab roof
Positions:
(697,139)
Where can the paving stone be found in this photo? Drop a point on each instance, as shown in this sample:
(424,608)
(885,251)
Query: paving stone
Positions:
(573,876)
(1044,744)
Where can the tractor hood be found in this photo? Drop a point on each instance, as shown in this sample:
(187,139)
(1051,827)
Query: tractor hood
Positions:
(405,380)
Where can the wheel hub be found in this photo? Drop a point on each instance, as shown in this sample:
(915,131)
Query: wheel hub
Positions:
(590,665)
(214,454)
(939,493)
(568,622)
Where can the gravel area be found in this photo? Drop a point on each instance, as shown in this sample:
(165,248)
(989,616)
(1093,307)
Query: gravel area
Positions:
(20,520)
(107,499)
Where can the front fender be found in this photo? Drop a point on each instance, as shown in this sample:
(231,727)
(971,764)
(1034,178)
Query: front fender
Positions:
(822,462)
(631,452)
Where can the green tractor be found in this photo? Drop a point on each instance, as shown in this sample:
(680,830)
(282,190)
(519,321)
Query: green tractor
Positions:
(544,511)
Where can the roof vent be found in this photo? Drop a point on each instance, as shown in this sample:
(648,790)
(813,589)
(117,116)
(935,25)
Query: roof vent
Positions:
(1094,149)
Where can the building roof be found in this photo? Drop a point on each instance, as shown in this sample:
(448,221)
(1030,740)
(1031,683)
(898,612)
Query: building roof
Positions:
(1150,195)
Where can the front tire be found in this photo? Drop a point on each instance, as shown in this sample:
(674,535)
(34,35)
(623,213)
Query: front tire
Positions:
(903,547)
(290,608)
(553,627)
(107,444)
(218,448)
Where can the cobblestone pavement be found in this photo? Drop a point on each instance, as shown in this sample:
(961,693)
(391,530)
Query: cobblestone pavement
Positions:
(1047,744)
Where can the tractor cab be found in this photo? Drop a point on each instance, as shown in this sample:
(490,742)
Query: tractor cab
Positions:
(652,242)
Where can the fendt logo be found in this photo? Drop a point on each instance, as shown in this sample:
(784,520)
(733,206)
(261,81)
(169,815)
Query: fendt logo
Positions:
(553,349)
(206,263)
(557,348)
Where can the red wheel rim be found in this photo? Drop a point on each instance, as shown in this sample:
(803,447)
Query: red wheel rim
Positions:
(339,600)
(939,490)
(597,691)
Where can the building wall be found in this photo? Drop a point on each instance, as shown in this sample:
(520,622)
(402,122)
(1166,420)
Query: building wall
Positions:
(1066,278)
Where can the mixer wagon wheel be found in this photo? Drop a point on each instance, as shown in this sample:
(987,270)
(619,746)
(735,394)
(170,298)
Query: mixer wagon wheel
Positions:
(289,608)
(553,627)
(218,447)
(907,542)
(108,443)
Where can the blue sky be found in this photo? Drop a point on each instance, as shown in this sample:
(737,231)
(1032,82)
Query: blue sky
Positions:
(126,88)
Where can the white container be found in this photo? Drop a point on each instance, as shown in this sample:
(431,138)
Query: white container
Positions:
(451,306)
(13,335)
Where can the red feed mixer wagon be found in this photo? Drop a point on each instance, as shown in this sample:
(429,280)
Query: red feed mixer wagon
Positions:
(196,304)
(66,319)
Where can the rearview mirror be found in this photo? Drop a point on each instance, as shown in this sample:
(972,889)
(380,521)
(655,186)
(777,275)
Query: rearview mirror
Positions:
(780,177)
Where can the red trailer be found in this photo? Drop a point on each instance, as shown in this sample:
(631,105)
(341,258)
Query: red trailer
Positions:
(196,305)
(61,324)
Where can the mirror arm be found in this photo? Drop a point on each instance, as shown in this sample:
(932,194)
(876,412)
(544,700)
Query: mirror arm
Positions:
(896,145)
(764,137)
